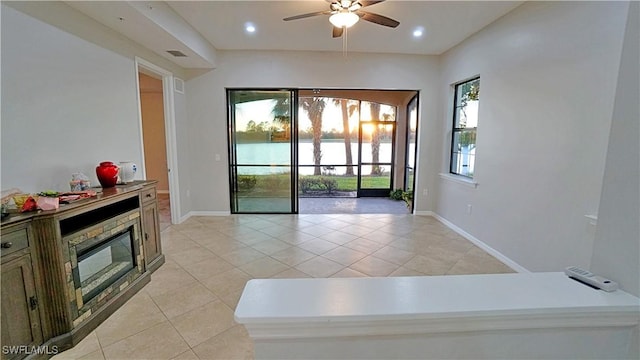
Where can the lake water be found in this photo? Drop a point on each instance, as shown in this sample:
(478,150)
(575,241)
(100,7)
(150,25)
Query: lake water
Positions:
(333,153)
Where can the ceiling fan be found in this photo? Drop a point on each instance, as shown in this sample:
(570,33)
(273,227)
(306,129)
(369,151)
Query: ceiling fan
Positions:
(345,13)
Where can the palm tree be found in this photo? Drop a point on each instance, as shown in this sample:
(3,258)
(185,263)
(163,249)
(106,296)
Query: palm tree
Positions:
(314,106)
(281,115)
(347,111)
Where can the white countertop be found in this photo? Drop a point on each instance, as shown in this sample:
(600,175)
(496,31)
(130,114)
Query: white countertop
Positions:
(425,297)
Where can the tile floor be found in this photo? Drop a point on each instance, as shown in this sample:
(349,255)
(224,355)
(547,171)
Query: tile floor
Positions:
(186,311)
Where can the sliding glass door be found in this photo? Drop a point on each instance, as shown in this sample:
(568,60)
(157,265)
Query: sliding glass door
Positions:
(262,151)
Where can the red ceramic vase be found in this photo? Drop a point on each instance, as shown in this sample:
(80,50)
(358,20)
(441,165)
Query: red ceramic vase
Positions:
(107,173)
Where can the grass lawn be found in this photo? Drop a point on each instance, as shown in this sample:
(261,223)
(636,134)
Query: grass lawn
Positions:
(279,185)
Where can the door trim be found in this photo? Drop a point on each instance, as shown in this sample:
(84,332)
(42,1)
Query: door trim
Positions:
(170,132)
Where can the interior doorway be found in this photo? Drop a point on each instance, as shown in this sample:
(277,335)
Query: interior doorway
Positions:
(157,129)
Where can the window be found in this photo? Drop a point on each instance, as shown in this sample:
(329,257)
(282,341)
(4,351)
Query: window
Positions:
(465,125)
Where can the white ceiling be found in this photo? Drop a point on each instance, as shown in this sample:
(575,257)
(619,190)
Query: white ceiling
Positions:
(221,25)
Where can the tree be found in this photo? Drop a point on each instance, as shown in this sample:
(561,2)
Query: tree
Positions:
(375,139)
(347,111)
(281,113)
(314,106)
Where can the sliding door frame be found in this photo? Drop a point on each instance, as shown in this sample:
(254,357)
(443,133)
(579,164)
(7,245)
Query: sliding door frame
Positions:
(232,153)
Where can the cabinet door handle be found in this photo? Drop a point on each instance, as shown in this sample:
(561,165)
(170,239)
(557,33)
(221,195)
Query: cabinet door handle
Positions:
(6,245)
(148,195)
(33,302)
(146,236)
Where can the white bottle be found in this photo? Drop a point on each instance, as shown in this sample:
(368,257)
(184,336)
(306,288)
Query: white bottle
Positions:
(127,171)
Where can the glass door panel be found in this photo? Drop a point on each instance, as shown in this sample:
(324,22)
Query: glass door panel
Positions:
(261,154)
(375,170)
(412,130)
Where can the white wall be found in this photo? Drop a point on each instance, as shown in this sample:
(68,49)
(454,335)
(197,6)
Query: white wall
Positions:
(69,96)
(617,246)
(66,105)
(548,73)
(208,113)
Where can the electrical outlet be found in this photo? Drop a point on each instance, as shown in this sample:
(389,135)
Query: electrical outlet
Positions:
(469,209)
(425,192)
(217,157)
(188,193)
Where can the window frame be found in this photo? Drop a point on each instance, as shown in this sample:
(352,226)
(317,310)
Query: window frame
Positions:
(459,130)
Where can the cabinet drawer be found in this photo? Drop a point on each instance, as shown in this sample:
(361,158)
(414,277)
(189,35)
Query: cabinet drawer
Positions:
(149,194)
(14,241)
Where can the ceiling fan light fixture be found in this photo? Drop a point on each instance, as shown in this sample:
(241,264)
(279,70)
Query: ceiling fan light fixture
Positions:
(344,19)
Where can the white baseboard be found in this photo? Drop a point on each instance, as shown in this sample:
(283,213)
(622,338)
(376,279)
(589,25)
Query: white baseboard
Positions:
(491,251)
(202,213)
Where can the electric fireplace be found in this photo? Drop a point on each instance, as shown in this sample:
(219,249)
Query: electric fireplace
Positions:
(104,262)
(105,255)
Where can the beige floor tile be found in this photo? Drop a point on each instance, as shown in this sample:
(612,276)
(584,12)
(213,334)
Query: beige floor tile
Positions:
(270,246)
(185,299)
(343,255)
(373,266)
(227,281)
(187,355)
(335,224)
(95,355)
(348,273)
(357,230)
(296,237)
(204,322)
(242,256)
(441,254)
(293,256)
(264,267)
(338,237)
(159,342)
(225,246)
(88,345)
(193,255)
(364,245)
(176,244)
(403,271)
(202,270)
(319,267)
(475,264)
(394,255)
(253,237)
(138,314)
(454,244)
(199,234)
(234,343)
(231,298)
(275,230)
(168,277)
(318,246)
(317,230)
(380,237)
(429,266)
(291,273)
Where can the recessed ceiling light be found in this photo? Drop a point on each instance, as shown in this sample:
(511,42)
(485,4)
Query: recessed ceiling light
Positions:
(250,28)
(418,32)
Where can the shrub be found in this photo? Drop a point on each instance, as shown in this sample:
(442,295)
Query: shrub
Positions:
(247,182)
(329,184)
(396,194)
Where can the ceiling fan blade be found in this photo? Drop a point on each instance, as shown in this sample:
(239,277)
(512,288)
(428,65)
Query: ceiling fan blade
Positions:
(302,16)
(337,32)
(369,2)
(377,19)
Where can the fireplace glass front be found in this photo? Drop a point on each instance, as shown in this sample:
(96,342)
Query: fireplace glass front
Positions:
(101,264)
